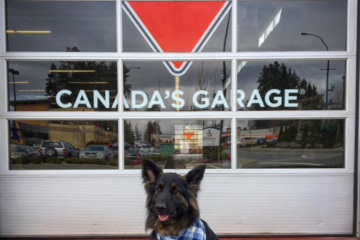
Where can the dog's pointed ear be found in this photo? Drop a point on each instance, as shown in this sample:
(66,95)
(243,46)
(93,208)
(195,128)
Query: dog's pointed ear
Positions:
(150,171)
(195,176)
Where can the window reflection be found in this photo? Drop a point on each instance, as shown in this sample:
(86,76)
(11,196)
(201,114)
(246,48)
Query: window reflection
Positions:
(291,85)
(277,25)
(62,86)
(57,26)
(46,145)
(176,144)
(290,143)
(201,88)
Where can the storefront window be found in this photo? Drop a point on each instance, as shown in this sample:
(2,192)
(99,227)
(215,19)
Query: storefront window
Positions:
(178,82)
(62,86)
(178,144)
(291,85)
(61,26)
(200,87)
(278,25)
(292,143)
(50,145)
(168,26)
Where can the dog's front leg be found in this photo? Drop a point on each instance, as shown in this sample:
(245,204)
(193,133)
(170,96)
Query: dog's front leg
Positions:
(153,235)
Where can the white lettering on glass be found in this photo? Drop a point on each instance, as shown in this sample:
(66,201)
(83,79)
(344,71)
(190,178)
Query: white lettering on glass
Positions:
(156,99)
(82,99)
(204,100)
(177,99)
(139,99)
(58,98)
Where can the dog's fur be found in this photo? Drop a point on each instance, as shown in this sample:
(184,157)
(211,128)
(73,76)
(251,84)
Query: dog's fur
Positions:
(173,197)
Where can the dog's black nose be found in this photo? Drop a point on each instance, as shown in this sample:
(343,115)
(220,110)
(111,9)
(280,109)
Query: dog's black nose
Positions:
(160,207)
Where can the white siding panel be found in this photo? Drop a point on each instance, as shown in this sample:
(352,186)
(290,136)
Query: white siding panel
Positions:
(232,204)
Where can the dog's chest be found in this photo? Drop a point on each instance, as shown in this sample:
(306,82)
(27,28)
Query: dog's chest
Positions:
(196,231)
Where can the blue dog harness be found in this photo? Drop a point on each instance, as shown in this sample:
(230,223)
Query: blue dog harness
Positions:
(196,231)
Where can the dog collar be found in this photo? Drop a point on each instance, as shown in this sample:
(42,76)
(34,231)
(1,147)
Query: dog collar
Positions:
(196,231)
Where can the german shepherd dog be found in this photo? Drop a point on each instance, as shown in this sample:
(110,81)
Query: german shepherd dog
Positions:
(171,200)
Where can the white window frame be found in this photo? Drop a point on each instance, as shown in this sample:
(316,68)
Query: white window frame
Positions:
(349,114)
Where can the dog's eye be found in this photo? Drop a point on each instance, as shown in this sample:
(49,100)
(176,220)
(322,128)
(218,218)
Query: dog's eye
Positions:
(158,189)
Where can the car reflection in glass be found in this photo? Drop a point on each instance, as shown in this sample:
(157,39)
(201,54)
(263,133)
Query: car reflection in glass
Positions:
(19,150)
(149,151)
(97,151)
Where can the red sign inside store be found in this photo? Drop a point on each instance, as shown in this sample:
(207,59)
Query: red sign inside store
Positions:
(177,26)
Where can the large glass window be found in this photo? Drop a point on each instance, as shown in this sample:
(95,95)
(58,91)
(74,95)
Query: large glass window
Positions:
(50,145)
(176,26)
(61,26)
(291,85)
(200,87)
(177,144)
(62,86)
(178,84)
(280,25)
(296,143)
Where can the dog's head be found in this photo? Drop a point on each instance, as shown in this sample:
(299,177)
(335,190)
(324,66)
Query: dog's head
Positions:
(171,198)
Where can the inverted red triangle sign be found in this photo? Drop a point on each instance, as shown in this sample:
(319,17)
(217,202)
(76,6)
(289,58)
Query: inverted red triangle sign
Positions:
(188,135)
(177,26)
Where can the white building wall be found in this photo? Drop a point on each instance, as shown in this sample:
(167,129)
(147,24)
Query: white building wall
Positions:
(234,204)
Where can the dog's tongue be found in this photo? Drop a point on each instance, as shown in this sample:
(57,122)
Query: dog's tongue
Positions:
(163,217)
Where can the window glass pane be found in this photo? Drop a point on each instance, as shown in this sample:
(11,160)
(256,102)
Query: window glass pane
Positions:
(278,25)
(176,26)
(291,85)
(62,86)
(291,143)
(50,149)
(152,86)
(59,26)
(177,144)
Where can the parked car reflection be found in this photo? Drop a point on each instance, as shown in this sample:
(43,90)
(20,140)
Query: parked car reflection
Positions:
(20,150)
(97,151)
(60,149)
(149,151)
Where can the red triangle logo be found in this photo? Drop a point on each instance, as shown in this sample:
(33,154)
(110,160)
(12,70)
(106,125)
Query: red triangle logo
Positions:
(188,135)
(177,26)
